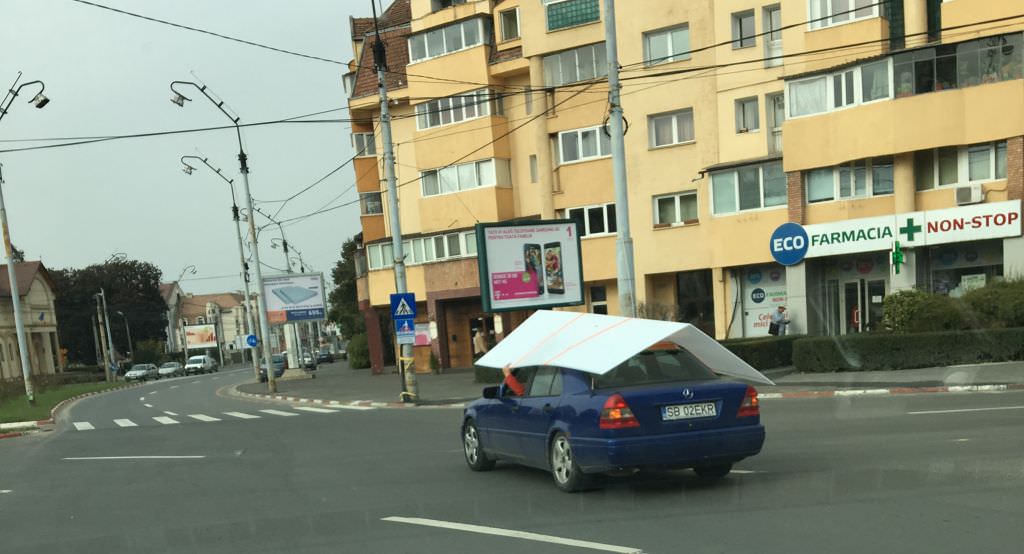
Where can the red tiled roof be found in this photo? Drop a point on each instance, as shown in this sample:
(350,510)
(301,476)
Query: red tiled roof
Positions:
(498,56)
(26,274)
(397,51)
(193,306)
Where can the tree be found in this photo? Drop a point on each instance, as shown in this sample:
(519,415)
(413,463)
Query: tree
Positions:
(344,299)
(17,255)
(131,286)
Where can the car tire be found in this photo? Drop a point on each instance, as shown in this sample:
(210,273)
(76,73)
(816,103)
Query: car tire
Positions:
(713,472)
(564,469)
(476,458)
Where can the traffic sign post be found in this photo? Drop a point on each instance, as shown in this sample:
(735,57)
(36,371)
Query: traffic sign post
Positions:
(403,305)
(405,330)
(251,341)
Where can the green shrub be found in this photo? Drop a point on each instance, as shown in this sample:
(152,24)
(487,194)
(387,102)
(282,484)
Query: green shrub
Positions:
(149,352)
(487,375)
(764,352)
(885,351)
(916,311)
(358,352)
(435,364)
(997,304)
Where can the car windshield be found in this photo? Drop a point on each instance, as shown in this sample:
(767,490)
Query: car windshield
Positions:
(196,360)
(137,367)
(170,365)
(277,359)
(655,366)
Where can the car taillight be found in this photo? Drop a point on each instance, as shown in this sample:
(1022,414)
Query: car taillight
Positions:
(616,414)
(749,406)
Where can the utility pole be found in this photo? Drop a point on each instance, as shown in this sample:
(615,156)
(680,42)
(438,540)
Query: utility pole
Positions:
(128,331)
(110,336)
(103,339)
(624,243)
(411,389)
(291,330)
(96,341)
(19,323)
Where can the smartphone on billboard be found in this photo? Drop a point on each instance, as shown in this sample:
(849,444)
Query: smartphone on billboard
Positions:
(554,275)
(532,266)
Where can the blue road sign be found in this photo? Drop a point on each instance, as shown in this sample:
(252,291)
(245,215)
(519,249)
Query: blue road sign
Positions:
(405,330)
(789,244)
(403,305)
(251,341)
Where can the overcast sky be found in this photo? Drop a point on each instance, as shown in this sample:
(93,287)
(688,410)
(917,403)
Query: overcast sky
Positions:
(109,74)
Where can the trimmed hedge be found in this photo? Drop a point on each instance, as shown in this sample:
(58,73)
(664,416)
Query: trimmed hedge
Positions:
(885,351)
(764,352)
(358,351)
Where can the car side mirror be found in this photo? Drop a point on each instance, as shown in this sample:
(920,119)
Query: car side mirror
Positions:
(492,392)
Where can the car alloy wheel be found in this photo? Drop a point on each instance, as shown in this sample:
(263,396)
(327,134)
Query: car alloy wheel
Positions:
(561,459)
(475,456)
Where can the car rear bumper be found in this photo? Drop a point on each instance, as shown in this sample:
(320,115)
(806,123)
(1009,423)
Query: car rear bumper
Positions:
(674,450)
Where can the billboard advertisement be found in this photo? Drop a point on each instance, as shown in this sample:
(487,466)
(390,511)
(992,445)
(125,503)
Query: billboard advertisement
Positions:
(294,297)
(529,265)
(201,336)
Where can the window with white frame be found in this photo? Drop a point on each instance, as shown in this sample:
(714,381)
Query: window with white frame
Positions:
(594,220)
(773,35)
(956,165)
(434,248)
(364,144)
(562,14)
(380,255)
(465,176)
(667,45)
(856,179)
(575,65)
(848,87)
(676,209)
(446,40)
(370,203)
(743,29)
(458,108)
(509,24)
(825,13)
(534,169)
(583,144)
(670,128)
(747,118)
(750,187)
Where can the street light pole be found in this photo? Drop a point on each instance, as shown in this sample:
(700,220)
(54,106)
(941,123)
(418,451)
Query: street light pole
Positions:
(110,337)
(290,328)
(128,331)
(250,325)
(191,269)
(19,324)
(243,164)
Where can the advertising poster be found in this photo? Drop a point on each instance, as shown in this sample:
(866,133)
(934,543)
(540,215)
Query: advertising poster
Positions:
(529,265)
(422,334)
(294,297)
(201,336)
(764,290)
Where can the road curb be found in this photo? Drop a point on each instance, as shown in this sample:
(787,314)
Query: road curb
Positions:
(351,403)
(20,428)
(889,391)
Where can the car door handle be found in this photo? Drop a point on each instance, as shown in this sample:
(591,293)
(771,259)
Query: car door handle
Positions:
(514,407)
(547,408)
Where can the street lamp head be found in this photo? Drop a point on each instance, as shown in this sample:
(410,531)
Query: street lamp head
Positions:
(180,99)
(40,100)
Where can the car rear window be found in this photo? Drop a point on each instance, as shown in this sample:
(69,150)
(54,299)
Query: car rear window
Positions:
(196,359)
(655,366)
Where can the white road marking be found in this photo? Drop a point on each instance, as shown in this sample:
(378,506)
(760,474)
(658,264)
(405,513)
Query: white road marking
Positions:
(241,415)
(165,420)
(175,386)
(142,399)
(83,425)
(315,410)
(961,440)
(358,408)
(125,423)
(154,392)
(202,417)
(148,405)
(744,471)
(170,413)
(278,412)
(194,382)
(215,378)
(963,410)
(5,491)
(136,458)
(511,533)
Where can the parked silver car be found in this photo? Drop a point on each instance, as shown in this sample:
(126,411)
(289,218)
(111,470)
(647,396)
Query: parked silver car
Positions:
(142,372)
(171,369)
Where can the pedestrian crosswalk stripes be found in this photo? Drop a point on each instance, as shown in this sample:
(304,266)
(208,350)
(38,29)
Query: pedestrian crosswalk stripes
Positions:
(202,417)
(125,423)
(315,410)
(165,420)
(279,412)
(83,425)
(241,415)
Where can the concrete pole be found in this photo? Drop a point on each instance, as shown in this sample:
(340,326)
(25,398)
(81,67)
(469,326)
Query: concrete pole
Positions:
(96,341)
(19,323)
(411,389)
(261,302)
(250,327)
(103,339)
(624,243)
(106,323)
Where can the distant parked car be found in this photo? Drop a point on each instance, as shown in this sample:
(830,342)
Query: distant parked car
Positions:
(324,357)
(308,361)
(278,362)
(142,372)
(200,364)
(171,369)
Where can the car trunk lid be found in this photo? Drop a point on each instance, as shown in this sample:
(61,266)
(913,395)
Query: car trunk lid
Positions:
(685,406)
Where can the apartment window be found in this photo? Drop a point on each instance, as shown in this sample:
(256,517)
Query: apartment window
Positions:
(671,128)
(825,13)
(775,111)
(466,176)
(966,64)
(749,187)
(667,45)
(856,179)
(743,29)
(456,109)
(874,81)
(676,209)
(572,66)
(599,300)
(773,36)
(861,84)
(370,203)
(955,165)
(583,144)
(200,320)
(807,96)
(364,144)
(509,24)
(746,115)
(442,4)
(594,220)
(381,255)
(534,170)
(446,40)
(843,90)
(440,247)
(562,14)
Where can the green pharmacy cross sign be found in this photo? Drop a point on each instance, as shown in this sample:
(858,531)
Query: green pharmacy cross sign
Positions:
(897,255)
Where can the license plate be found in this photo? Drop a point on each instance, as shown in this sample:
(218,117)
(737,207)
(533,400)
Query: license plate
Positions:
(689,411)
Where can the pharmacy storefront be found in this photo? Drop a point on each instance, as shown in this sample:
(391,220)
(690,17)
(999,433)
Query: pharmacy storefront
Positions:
(838,274)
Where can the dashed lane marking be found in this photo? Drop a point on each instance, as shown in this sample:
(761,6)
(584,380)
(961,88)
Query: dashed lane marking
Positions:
(279,413)
(165,420)
(125,423)
(83,425)
(316,410)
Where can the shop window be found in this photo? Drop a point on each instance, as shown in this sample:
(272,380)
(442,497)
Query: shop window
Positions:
(748,188)
(598,300)
(579,64)
(670,128)
(562,14)
(676,209)
(667,45)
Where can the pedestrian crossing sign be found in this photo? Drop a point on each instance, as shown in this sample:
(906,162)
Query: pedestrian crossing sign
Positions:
(403,305)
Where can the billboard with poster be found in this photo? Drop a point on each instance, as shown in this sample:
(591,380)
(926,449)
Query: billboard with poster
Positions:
(294,297)
(529,265)
(201,336)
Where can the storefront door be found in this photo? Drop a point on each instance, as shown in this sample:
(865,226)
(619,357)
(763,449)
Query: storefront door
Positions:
(861,305)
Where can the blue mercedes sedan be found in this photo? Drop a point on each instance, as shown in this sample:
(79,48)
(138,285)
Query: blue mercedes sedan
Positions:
(661,408)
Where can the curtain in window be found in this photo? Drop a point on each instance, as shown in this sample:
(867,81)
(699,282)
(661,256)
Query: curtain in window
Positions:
(807,97)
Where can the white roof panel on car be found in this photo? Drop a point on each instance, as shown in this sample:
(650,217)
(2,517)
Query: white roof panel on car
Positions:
(597,343)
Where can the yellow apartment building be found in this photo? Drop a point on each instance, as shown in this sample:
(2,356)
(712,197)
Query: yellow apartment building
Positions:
(902,119)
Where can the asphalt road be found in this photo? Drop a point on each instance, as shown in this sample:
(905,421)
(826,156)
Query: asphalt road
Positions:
(836,475)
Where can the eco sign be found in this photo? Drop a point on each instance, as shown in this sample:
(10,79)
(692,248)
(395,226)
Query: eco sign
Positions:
(789,244)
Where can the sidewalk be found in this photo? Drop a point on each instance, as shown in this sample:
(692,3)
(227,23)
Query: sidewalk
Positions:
(336,382)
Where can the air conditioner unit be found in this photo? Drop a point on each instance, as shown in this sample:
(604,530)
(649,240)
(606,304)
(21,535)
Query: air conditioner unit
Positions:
(969,194)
